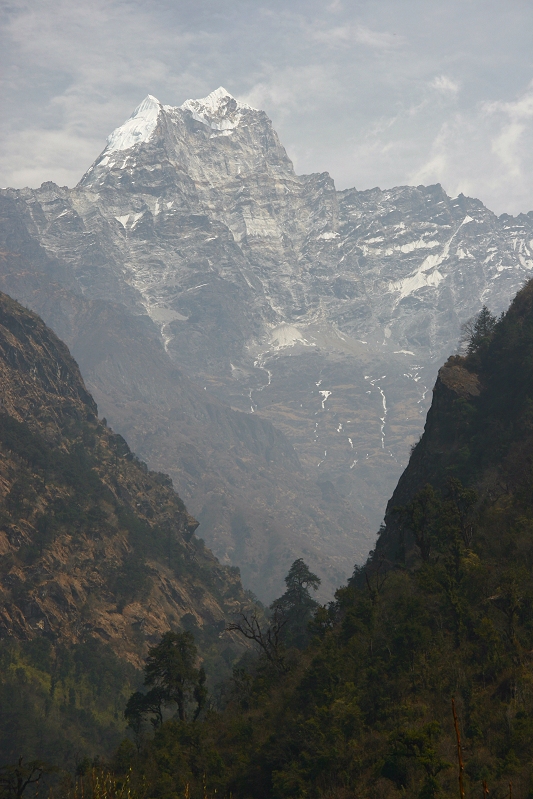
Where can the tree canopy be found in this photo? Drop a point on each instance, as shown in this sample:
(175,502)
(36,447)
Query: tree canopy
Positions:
(296,606)
(172,678)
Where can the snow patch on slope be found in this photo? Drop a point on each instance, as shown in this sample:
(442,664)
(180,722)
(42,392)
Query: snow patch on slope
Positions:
(287,336)
(219,110)
(420,244)
(138,128)
(427,273)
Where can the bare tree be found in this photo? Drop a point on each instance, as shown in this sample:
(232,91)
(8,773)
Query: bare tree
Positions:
(268,639)
(14,779)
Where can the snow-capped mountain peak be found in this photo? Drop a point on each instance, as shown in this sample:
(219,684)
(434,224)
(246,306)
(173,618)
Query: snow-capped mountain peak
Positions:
(138,128)
(219,110)
(176,131)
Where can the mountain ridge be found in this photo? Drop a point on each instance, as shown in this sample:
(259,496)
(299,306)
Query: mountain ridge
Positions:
(325,313)
(478,429)
(144,395)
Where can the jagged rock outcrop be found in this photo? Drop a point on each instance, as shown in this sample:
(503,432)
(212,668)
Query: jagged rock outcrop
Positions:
(325,313)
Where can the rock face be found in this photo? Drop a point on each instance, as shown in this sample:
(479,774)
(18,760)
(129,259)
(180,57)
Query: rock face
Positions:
(92,544)
(191,244)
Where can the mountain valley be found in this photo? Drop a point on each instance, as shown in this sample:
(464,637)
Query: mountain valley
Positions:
(415,682)
(274,345)
(268,341)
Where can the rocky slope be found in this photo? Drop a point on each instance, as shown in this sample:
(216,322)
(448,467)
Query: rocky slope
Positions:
(92,544)
(325,313)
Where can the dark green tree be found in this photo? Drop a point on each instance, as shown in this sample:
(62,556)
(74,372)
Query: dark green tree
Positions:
(420,747)
(170,666)
(421,518)
(139,705)
(16,778)
(134,715)
(478,330)
(200,692)
(297,606)
(267,637)
(173,679)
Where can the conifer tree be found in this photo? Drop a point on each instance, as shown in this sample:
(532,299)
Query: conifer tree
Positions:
(297,605)
(478,330)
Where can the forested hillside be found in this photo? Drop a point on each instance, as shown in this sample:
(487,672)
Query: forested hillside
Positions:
(98,559)
(443,608)
(356,702)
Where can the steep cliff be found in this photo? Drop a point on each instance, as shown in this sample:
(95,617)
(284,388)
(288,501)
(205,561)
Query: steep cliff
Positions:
(478,429)
(240,474)
(92,544)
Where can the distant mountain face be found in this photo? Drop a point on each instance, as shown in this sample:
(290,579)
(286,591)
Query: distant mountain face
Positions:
(324,313)
(92,544)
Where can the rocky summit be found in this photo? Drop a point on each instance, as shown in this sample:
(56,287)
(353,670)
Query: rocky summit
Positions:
(268,341)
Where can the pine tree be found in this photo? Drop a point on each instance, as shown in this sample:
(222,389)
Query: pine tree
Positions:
(478,330)
(297,605)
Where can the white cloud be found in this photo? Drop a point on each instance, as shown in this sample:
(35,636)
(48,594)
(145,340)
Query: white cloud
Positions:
(521,108)
(444,84)
(506,147)
(350,34)
(462,154)
(29,155)
(378,39)
(95,62)
(292,90)
(511,143)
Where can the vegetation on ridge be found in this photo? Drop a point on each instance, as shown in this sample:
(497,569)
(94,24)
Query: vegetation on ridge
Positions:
(442,609)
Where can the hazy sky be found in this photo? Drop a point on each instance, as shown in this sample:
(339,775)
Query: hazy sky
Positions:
(377,92)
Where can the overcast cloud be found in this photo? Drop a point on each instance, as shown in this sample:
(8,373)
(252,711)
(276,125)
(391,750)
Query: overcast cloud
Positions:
(376,92)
